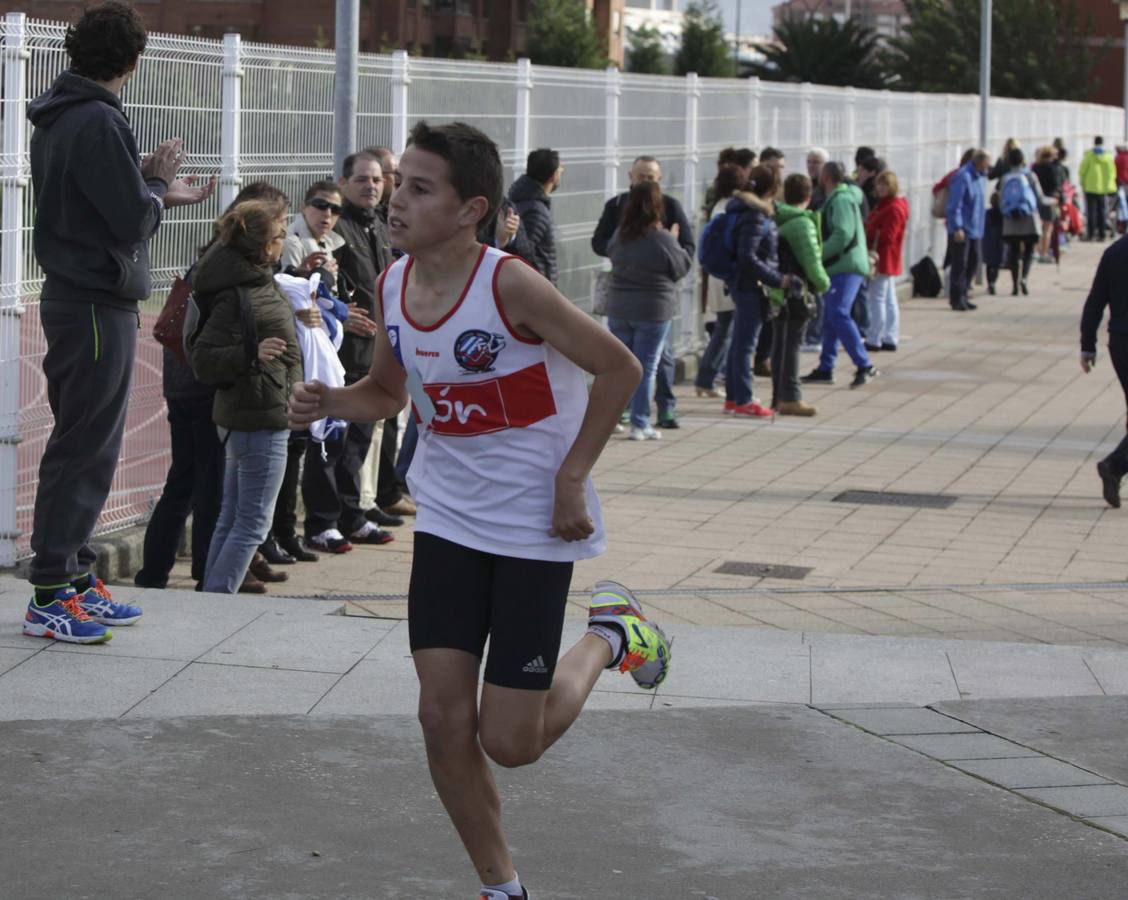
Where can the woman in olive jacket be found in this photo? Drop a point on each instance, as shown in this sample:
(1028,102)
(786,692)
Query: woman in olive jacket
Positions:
(250,405)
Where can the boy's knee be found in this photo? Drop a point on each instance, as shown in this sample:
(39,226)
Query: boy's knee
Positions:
(508,752)
(445,726)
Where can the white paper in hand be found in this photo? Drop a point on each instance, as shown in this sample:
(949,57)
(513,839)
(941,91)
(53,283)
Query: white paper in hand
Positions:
(423,403)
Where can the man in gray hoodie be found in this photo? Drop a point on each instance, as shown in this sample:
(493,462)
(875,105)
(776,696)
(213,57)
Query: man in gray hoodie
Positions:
(96,209)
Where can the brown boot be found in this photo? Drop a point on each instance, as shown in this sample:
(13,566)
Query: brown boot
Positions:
(796,408)
(261,570)
(251,585)
(762,368)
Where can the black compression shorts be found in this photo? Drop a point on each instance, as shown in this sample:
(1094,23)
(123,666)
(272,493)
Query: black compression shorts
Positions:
(459,597)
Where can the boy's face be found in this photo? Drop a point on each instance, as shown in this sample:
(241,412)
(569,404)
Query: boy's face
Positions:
(425,209)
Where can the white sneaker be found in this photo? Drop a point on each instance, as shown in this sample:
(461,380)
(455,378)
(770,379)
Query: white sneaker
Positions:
(644,434)
(619,429)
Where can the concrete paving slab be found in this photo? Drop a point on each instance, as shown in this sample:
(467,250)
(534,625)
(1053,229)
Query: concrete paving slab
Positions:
(963,746)
(11,657)
(841,675)
(206,689)
(1089,731)
(91,687)
(1016,672)
(1119,824)
(281,640)
(1031,772)
(233,807)
(902,721)
(1086,801)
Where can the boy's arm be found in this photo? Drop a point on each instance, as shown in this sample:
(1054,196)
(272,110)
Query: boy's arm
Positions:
(534,306)
(380,394)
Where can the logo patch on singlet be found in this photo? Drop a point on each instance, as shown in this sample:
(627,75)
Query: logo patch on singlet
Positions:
(393,339)
(476,351)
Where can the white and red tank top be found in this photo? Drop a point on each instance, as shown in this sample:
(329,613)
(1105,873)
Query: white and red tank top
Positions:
(508,409)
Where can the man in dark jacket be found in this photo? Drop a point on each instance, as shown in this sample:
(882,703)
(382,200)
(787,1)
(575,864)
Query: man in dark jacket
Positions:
(1108,291)
(331,481)
(530,197)
(646,168)
(96,210)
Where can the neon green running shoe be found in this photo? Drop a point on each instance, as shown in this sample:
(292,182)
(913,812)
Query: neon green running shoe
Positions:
(646,650)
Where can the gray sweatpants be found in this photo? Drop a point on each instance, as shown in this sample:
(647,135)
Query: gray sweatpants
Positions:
(89,364)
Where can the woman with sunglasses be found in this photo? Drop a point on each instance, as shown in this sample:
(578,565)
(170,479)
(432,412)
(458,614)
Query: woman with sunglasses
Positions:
(310,239)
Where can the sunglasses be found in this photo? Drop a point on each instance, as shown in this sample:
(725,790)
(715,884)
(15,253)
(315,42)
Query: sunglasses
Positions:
(322,203)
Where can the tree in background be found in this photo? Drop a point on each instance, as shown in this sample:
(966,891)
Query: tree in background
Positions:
(823,51)
(1041,49)
(704,49)
(645,53)
(561,33)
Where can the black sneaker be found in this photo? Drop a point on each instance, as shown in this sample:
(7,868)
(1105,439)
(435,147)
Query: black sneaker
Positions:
(864,376)
(1110,484)
(817,376)
(889,348)
(669,422)
(377,516)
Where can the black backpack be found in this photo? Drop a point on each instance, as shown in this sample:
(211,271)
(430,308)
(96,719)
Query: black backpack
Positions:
(926,279)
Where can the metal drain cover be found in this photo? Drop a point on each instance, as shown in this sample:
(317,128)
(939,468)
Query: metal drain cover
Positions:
(763,570)
(894,498)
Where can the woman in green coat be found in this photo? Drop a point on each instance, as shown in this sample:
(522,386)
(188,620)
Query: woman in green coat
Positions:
(254,383)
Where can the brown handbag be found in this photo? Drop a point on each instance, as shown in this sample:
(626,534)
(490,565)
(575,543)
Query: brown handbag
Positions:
(169,329)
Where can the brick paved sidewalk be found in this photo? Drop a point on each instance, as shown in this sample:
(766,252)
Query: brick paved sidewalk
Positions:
(989,408)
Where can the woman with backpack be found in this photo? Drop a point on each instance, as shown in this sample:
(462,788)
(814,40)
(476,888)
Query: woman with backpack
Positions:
(885,237)
(234,284)
(647,263)
(1020,198)
(757,262)
(716,299)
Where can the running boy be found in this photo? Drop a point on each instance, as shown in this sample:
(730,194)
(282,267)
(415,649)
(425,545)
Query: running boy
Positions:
(493,357)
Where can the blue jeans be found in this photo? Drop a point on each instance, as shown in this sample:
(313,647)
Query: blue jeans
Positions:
(746,324)
(840,325)
(255,465)
(716,354)
(645,340)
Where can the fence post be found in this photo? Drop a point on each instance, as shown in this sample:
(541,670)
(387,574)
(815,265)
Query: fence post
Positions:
(886,121)
(231,120)
(851,124)
(755,91)
(613,91)
(918,211)
(524,114)
(14,182)
(401,79)
(689,289)
(804,118)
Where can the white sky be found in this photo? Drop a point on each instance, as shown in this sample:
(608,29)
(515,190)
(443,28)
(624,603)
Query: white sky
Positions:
(755,15)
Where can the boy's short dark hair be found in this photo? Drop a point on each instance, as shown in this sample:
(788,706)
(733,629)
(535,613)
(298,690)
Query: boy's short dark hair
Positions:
(863,152)
(321,187)
(106,41)
(744,157)
(1098,141)
(353,158)
(770,153)
(542,164)
(873,164)
(796,188)
(726,157)
(1016,157)
(475,164)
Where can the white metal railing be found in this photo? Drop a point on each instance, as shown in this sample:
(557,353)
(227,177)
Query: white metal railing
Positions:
(255,111)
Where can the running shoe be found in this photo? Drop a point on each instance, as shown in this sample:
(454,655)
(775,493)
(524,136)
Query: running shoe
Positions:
(64,620)
(643,434)
(371,534)
(488,894)
(99,605)
(646,650)
(330,541)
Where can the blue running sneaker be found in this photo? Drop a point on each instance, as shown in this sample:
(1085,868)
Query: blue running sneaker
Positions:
(64,620)
(97,603)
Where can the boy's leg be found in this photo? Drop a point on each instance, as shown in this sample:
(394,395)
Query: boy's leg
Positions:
(448,713)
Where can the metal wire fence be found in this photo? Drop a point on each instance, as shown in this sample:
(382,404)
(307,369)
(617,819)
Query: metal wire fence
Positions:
(256,111)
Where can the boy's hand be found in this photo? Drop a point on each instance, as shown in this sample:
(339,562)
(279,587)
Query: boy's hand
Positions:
(570,519)
(308,403)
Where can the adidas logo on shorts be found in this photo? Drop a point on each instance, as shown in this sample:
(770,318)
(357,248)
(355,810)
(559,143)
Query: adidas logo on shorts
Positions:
(535,666)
